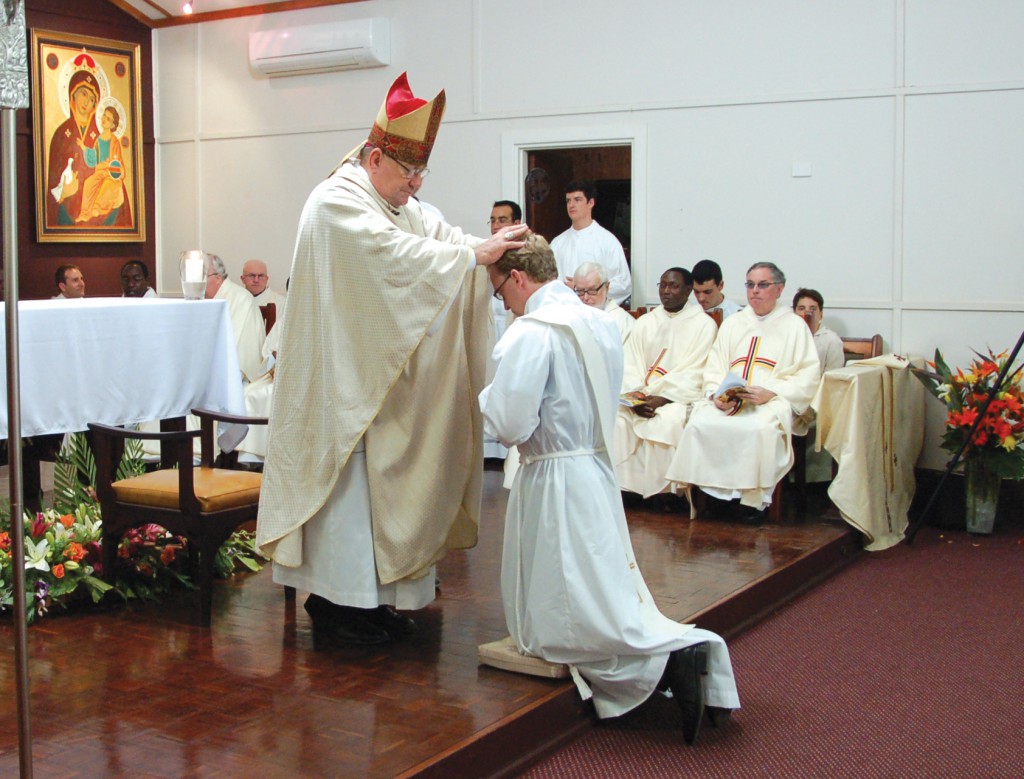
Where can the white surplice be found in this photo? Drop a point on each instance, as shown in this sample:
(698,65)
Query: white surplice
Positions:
(571,588)
(745,453)
(594,244)
(664,357)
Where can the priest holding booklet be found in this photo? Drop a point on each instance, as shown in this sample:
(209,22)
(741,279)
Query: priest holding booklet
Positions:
(737,442)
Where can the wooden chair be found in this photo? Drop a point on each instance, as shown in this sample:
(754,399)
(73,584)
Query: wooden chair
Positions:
(269,314)
(861,348)
(638,312)
(853,349)
(204,504)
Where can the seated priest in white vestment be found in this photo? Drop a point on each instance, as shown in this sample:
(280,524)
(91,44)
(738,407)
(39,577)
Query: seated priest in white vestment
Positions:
(256,279)
(135,280)
(250,332)
(570,585)
(374,466)
(736,443)
(590,282)
(664,369)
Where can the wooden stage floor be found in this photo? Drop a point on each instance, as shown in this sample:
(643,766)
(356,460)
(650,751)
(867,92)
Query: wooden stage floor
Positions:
(136,691)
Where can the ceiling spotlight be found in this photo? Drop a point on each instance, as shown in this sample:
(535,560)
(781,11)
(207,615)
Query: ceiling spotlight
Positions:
(187,8)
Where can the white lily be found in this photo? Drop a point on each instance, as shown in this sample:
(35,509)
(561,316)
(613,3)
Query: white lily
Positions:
(35,554)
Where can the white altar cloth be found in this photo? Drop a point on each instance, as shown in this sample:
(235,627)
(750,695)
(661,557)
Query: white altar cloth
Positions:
(119,361)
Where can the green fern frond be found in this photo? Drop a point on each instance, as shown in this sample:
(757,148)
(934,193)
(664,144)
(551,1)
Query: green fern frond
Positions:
(74,471)
(132,462)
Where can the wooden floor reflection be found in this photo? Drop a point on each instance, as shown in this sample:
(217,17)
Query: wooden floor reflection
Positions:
(138,692)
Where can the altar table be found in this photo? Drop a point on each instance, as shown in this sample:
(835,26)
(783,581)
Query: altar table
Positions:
(120,361)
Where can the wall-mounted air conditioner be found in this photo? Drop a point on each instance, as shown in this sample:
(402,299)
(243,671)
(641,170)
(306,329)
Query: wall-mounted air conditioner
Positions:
(317,48)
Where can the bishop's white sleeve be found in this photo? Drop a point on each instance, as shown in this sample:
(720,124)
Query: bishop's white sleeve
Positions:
(511,403)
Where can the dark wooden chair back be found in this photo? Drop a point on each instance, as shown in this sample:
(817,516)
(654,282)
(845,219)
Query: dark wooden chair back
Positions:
(269,314)
(861,348)
(638,312)
(203,504)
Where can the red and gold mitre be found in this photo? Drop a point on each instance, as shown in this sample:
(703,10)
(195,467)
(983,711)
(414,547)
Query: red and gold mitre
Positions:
(406,125)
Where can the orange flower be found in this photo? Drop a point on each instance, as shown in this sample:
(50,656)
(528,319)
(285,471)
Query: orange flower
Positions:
(167,555)
(963,418)
(67,520)
(5,541)
(75,551)
(58,571)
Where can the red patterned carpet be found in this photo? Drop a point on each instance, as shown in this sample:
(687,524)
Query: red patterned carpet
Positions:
(908,663)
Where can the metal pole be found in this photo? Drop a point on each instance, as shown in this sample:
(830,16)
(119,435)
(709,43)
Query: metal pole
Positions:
(10,201)
(14,95)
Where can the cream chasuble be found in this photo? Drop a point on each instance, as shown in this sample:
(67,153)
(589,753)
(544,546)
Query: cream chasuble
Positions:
(664,356)
(746,453)
(368,283)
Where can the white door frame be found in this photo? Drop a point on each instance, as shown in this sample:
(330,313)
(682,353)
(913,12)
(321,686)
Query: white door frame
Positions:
(516,143)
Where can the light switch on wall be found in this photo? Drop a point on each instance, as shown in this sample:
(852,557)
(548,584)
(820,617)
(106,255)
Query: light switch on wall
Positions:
(801,170)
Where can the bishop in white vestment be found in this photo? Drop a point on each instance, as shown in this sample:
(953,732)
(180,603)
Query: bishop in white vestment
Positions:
(571,587)
(374,459)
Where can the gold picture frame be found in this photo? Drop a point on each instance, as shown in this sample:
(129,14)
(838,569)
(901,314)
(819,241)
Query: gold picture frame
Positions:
(87,132)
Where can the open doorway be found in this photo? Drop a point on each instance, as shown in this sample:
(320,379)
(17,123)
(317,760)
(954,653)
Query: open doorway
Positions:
(615,156)
(549,170)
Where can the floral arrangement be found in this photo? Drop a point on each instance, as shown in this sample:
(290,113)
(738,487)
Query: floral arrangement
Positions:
(64,560)
(63,546)
(998,442)
(62,554)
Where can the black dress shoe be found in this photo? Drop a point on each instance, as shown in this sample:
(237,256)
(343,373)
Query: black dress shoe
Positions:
(344,624)
(396,625)
(686,666)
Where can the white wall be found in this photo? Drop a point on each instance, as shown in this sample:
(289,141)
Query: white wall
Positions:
(907,113)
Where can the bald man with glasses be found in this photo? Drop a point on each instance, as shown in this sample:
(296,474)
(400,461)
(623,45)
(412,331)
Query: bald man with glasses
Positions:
(256,279)
(736,444)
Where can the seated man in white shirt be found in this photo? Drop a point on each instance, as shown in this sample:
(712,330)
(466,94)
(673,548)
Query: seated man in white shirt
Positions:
(737,445)
(810,305)
(664,366)
(707,290)
(587,241)
(590,283)
(70,282)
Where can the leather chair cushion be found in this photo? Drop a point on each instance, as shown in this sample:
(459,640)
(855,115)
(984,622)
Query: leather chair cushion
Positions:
(216,489)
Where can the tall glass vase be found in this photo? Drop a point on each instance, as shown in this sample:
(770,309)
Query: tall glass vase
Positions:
(982,488)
